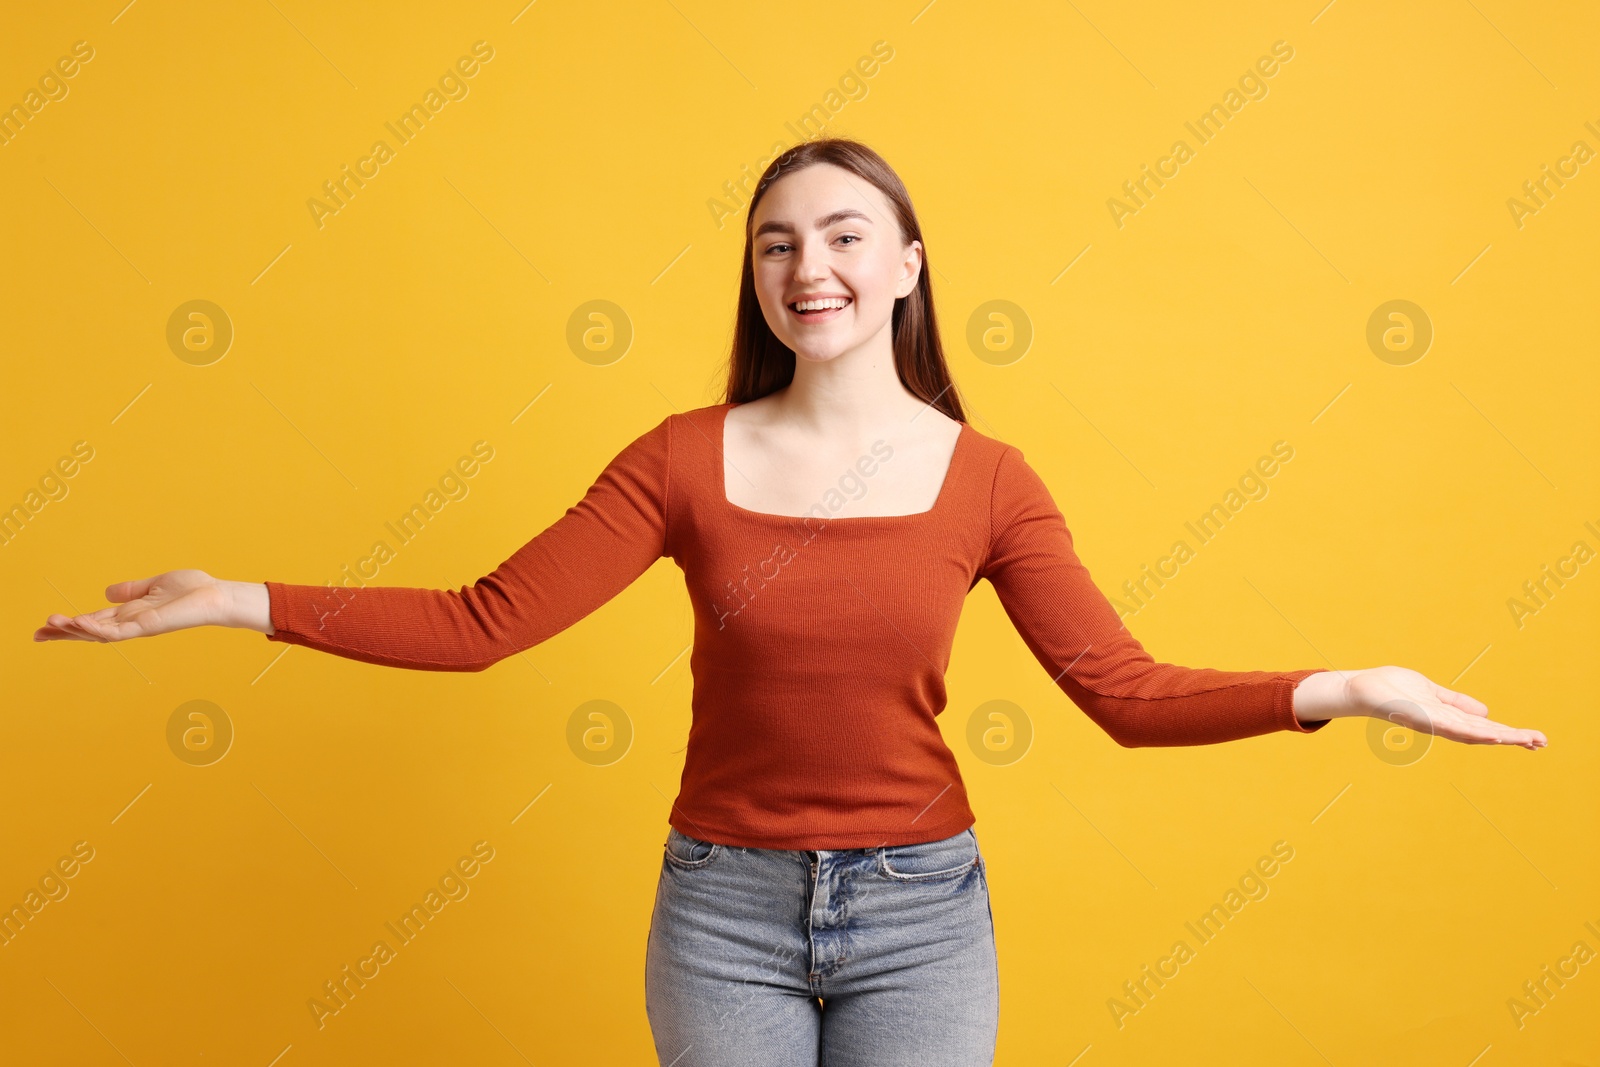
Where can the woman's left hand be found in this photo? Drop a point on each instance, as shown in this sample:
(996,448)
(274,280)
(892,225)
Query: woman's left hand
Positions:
(1410,699)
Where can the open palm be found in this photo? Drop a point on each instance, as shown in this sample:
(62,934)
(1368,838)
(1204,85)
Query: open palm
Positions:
(172,601)
(1409,699)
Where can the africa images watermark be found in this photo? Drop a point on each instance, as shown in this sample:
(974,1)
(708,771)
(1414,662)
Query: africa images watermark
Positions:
(337,993)
(1252,85)
(52,87)
(1139,992)
(1538,192)
(1538,592)
(452,485)
(52,487)
(52,888)
(852,85)
(1538,992)
(452,86)
(1252,486)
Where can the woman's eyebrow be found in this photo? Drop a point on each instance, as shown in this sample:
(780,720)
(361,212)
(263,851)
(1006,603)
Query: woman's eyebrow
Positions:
(779,226)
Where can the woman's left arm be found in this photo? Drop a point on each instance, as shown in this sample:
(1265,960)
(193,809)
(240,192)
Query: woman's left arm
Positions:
(1076,635)
(1407,698)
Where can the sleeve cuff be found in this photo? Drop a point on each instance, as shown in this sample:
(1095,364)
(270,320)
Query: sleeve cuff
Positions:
(1286,696)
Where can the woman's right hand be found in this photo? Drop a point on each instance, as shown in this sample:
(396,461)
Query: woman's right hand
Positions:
(172,601)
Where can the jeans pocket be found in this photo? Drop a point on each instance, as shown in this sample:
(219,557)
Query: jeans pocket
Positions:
(930,861)
(689,853)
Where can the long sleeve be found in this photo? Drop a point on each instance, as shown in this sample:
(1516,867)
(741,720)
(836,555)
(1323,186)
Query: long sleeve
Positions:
(1074,632)
(587,556)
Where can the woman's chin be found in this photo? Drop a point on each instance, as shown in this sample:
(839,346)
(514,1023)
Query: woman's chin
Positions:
(818,353)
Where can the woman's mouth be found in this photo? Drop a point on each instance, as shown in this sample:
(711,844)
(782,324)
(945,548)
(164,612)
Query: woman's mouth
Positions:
(820,310)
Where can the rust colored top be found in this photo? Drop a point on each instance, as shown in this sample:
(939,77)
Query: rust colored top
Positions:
(820,642)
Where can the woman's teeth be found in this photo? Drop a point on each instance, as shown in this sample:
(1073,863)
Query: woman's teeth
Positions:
(830,304)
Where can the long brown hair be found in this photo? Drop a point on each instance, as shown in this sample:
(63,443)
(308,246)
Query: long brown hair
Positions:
(762,364)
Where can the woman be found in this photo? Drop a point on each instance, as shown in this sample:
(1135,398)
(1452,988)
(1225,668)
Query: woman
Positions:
(822,897)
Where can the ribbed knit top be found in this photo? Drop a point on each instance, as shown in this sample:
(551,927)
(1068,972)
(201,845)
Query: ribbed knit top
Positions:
(820,642)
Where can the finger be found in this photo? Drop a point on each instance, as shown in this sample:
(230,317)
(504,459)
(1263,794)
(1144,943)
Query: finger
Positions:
(1511,735)
(1445,720)
(102,614)
(1529,739)
(117,627)
(62,623)
(1489,732)
(98,626)
(133,619)
(1460,701)
(80,624)
(57,633)
(129,590)
(75,624)
(78,632)
(1532,742)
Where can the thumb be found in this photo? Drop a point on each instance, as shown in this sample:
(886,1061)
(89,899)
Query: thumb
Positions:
(130,590)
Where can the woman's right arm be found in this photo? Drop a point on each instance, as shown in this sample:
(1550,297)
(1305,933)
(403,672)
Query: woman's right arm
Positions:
(586,557)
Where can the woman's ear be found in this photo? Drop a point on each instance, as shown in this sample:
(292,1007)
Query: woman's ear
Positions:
(911,268)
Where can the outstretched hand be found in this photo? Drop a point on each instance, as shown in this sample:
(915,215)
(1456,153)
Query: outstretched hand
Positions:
(1409,699)
(172,601)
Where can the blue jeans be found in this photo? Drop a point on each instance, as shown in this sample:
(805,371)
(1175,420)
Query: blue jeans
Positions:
(790,958)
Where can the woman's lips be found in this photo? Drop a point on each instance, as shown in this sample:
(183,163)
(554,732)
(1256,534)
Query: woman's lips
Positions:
(818,316)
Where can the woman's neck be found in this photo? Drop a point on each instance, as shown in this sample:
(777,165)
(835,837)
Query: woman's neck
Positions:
(849,396)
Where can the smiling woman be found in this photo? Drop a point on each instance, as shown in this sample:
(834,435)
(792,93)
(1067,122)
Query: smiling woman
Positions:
(822,897)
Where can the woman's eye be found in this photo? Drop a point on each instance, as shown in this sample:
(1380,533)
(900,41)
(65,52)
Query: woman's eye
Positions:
(780,247)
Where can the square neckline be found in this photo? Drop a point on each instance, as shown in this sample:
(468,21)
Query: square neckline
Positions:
(722,480)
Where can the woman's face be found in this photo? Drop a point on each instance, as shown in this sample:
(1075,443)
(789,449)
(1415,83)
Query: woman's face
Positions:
(820,233)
